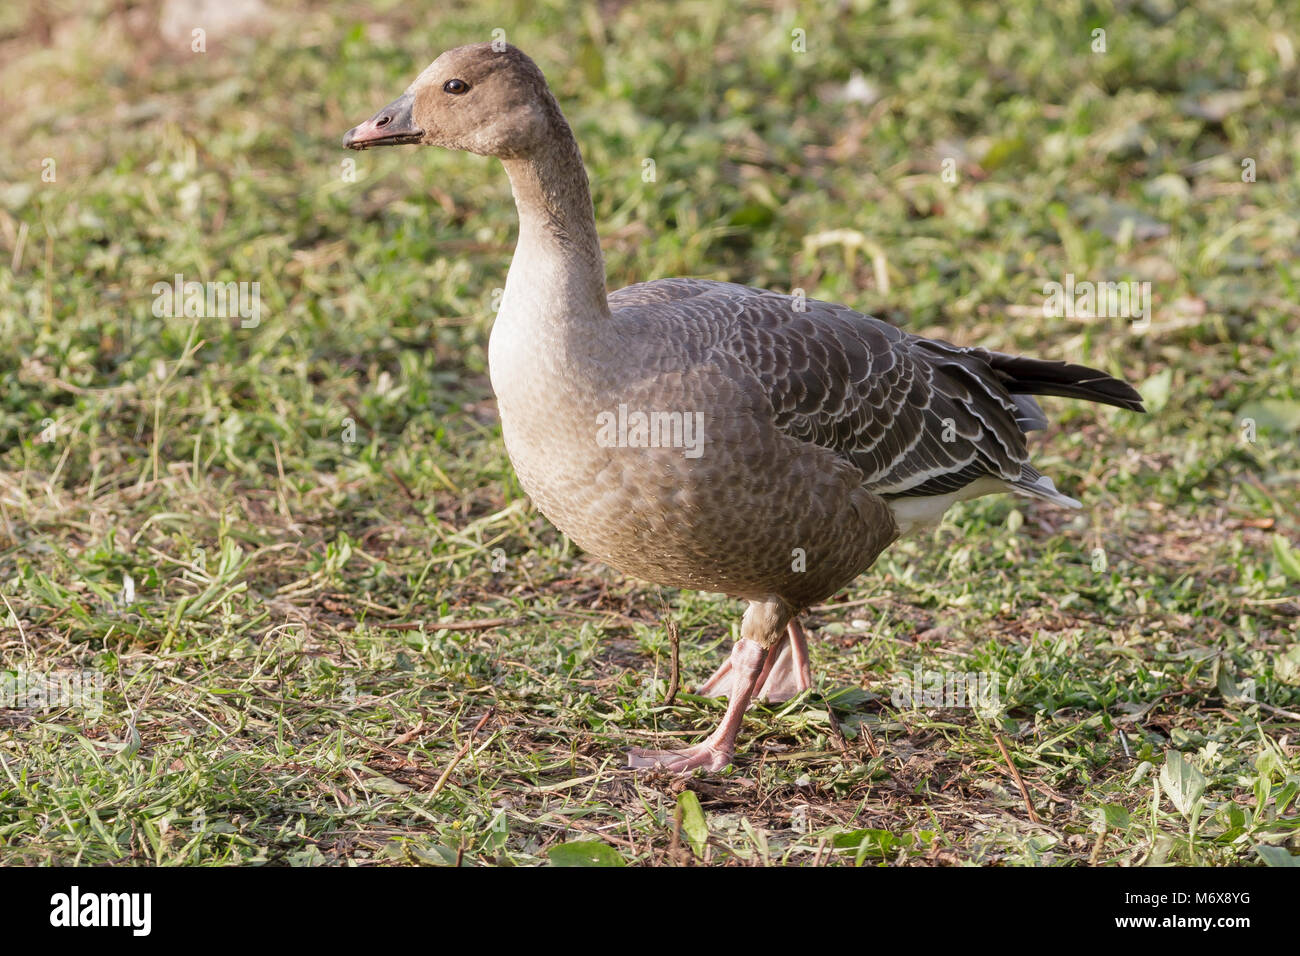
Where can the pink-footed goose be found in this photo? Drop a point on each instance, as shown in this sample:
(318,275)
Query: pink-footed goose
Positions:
(707,435)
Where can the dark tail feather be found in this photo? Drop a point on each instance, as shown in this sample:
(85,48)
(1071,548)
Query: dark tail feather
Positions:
(1030,376)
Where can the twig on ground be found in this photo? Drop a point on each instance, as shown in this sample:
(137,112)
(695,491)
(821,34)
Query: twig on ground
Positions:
(23,634)
(380,748)
(400,483)
(675,844)
(1278,710)
(481,625)
(410,735)
(675,680)
(837,732)
(871,740)
(460,754)
(1024,791)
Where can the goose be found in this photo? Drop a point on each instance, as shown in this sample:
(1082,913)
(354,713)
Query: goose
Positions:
(707,435)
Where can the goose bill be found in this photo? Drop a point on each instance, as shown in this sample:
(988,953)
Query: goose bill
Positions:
(391,126)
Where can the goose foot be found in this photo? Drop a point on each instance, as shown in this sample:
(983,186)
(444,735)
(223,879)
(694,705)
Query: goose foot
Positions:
(703,756)
(747,665)
(787,674)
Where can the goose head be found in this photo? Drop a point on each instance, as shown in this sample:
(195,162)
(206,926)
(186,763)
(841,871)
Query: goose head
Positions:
(485,98)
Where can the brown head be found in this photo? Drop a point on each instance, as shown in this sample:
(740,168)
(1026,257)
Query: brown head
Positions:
(484,98)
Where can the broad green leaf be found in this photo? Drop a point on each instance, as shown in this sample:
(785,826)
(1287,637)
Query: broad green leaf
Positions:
(1002,152)
(1115,816)
(1267,764)
(1287,557)
(1231,691)
(1286,666)
(876,842)
(1156,390)
(1286,794)
(1139,772)
(381,784)
(694,825)
(847,699)
(1183,782)
(1277,856)
(585,853)
(1015,520)
(1272,414)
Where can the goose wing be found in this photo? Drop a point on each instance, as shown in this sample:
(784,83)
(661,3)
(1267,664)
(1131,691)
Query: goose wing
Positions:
(917,417)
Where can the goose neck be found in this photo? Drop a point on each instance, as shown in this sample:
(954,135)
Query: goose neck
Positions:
(558,267)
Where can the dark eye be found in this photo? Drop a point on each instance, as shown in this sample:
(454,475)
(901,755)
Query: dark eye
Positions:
(455,86)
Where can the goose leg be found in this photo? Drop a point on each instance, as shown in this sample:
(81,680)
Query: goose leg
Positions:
(747,660)
(790,673)
(786,674)
(719,683)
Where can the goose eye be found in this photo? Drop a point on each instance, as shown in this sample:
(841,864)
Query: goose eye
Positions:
(455,86)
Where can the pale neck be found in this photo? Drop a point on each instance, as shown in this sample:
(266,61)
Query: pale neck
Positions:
(557,271)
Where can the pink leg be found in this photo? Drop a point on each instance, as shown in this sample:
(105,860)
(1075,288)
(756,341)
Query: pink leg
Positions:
(719,683)
(747,660)
(786,674)
(791,673)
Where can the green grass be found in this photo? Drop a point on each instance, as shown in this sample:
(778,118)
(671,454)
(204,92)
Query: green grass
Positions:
(280,690)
